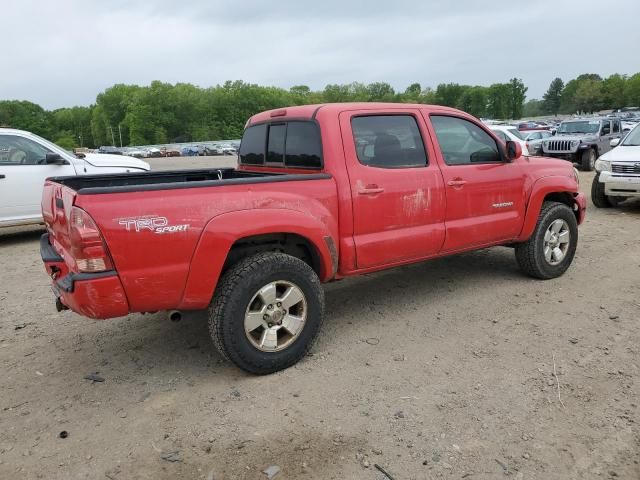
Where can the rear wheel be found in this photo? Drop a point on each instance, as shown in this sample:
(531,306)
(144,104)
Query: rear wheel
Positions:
(550,250)
(588,160)
(266,312)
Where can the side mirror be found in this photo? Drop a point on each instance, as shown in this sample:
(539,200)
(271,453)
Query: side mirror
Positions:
(54,159)
(614,142)
(553,132)
(514,150)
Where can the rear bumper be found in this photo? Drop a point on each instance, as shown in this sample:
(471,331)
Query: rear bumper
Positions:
(97,295)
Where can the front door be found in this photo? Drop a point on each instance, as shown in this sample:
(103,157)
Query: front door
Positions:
(397,192)
(22,175)
(485,195)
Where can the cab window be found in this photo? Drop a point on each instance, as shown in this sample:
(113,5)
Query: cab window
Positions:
(15,150)
(463,142)
(388,141)
(295,144)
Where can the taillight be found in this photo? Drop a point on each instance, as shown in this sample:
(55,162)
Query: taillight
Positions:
(87,246)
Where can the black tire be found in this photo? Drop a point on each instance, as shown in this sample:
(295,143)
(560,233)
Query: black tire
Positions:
(615,201)
(588,160)
(530,254)
(236,290)
(598,197)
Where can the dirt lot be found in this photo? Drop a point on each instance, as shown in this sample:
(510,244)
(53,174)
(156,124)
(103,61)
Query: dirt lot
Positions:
(438,370)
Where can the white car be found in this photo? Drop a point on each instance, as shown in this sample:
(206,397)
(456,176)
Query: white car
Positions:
(534,139)
(26,160)
(509,132)
(618,172)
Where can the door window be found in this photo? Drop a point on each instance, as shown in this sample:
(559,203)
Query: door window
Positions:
(606,128)
(15,150)
(616,126)
(463,142)
(501,135)
(388,141)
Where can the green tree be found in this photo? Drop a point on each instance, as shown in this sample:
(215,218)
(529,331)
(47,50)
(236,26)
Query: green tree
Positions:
(26,116)
(517,95)
(613,91)
(588,97)
(412,93)
(534,108)
(553,96)
(449,94)
(474,101)
(499,101)
(632,90)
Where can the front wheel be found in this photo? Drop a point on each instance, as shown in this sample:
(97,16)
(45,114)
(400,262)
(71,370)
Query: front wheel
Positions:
(588,160)
(266,312)
(550,250)
(598,196)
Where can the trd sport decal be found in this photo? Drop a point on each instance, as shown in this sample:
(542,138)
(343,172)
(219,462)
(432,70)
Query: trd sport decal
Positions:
(151,223)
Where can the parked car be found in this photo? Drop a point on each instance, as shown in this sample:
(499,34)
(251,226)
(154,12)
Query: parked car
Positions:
(170,152)
(510,133)
(189,151)
(152,152)
(618,172)
(534,139)
(228,149)
(212,150)
(26,160)
(135,152)
(254,244)
(111,150)
(529,126)
(582,141)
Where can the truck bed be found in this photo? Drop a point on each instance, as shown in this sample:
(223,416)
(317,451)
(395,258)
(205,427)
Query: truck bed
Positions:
(174,179)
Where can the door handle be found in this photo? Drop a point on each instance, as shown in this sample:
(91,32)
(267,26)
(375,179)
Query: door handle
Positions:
(2,175)
(370,189)
(456,182)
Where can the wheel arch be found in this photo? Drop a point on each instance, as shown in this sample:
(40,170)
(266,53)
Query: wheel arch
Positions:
(556,189)
(230,237)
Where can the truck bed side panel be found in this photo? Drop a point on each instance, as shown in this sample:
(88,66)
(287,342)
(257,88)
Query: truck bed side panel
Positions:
(152,235)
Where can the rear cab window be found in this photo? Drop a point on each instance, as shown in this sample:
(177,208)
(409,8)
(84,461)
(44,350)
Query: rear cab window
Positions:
(292,144)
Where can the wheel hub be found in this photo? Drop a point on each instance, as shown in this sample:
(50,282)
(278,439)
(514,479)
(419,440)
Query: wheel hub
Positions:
(275,316)
(556,242)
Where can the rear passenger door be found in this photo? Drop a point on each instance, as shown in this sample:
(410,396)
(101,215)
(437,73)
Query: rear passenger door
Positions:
(484,193)
(397,191)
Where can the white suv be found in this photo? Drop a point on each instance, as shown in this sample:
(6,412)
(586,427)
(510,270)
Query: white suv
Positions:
(26,160)
(618,172)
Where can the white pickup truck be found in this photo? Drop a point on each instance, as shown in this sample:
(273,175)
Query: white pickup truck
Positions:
(618,176)
(26,160)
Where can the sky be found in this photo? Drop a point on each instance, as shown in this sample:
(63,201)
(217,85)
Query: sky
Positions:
(63,53)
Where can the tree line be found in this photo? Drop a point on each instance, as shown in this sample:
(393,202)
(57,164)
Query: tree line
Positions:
(167,113)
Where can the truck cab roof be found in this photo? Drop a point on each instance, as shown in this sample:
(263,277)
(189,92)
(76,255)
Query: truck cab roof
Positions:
(312,111)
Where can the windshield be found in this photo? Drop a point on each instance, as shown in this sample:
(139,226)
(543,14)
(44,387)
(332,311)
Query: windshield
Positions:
(633,138)
(584,126)
(516,133)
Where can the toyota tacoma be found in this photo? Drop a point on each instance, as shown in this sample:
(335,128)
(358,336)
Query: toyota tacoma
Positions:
(321,192)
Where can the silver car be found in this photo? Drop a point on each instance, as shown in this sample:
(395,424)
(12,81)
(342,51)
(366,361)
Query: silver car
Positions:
(534,140)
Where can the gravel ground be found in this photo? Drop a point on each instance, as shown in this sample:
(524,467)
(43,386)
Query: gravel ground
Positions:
(438,370)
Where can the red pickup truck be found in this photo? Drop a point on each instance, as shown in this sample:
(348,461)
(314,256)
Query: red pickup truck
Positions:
(322,192)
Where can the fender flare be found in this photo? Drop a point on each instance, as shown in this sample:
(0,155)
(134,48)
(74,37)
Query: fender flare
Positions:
(222,231)
(539,190)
